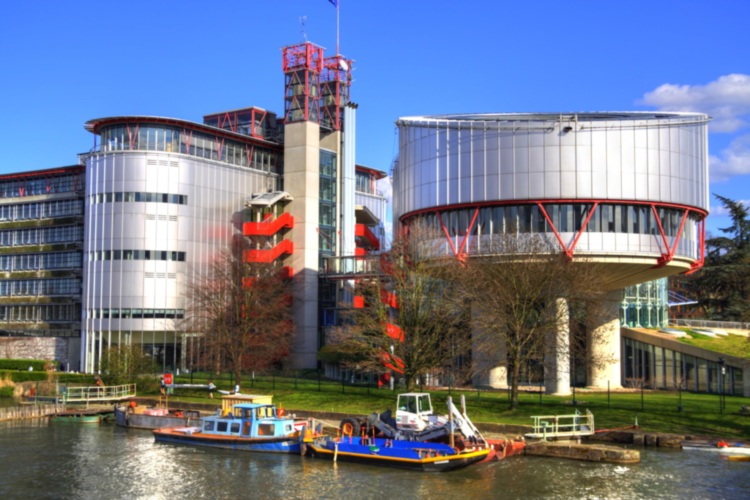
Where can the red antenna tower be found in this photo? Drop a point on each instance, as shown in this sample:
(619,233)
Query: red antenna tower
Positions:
(335,87)
(302,65)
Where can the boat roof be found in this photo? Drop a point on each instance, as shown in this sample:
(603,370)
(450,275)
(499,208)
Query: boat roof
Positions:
(249,406)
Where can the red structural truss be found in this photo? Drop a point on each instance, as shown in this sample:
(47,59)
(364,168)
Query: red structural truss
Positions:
(335,84)
(255,119)
(666,257)
(302,65)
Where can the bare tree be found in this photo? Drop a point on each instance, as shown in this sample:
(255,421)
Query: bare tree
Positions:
(243,312)
(414,320)
(524,297)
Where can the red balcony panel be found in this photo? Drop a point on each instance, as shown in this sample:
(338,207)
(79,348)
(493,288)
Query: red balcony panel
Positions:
(362,231)
(285,247)
(359,301)
(269,228)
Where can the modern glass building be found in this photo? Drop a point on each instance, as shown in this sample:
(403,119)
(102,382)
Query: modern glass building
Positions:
(646,305)
(41,255)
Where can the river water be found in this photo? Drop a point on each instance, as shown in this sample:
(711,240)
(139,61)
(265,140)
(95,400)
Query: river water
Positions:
(54,460)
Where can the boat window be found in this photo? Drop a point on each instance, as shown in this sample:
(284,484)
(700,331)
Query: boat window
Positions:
(222,427)
(208,425)
(247,414)
(235,428)
(265,429)
(424,404)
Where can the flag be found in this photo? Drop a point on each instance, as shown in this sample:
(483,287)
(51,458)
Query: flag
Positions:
(334,2)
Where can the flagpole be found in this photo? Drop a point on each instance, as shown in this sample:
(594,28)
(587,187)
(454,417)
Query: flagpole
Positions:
(338,16)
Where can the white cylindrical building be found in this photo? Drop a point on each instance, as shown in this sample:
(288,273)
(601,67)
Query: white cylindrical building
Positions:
(626,189)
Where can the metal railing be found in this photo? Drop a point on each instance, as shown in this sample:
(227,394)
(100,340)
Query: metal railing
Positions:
(95,393)
(551,426)
(703,323)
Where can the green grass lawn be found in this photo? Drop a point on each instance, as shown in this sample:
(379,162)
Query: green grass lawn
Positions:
(656,411)
(734,345)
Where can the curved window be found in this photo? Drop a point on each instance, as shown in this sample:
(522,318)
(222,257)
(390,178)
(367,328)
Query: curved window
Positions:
(566,218)
(128,196)
(136,313)
(167,255)
(189,142)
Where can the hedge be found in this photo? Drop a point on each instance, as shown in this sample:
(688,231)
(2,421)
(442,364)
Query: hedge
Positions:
(62,377)
(23,364)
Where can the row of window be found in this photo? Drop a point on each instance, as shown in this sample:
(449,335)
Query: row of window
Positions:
(179,199)
(661,368)
(41,210)
(40,261)
(49,313)
(31,186)
(529,218)
(136,313)
(169,139)
(41,235)
(36,287)
(136,255)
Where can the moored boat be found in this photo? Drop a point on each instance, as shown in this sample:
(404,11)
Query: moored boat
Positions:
(138,417)
(248,426)
(411,455)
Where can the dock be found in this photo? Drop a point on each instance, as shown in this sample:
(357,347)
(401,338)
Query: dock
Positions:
(587,452)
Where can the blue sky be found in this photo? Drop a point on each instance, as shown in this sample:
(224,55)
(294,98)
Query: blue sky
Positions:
(67,62)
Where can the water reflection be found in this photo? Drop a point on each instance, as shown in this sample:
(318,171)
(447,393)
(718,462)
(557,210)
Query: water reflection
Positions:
(76,461)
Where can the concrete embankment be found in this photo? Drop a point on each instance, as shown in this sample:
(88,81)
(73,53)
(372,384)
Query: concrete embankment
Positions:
(27,411)
(587,452)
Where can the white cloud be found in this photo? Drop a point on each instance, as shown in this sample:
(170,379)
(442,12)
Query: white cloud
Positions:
(734,160)
(726,99)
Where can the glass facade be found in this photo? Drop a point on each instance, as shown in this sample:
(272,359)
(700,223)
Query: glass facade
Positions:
(41,235)
(40,294)
(43,183)
(41,210)
(660,368)
(327,209)
(151,137)
(40,261)
(646,305)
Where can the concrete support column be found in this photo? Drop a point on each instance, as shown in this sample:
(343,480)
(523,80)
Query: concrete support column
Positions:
(489,357)
(557,352)
(603,344)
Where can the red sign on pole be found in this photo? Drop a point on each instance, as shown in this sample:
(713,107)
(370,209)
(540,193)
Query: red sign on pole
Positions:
(168,378)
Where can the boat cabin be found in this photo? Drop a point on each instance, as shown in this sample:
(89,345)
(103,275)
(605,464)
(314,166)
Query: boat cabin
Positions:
(249,420)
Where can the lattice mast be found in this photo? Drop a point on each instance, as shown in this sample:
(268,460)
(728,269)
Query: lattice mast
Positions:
(302,65)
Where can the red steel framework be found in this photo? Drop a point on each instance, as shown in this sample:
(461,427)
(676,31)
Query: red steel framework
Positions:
(269,227)
(302,65)
(461,252)
(335,87)
(78,172)
(231,120)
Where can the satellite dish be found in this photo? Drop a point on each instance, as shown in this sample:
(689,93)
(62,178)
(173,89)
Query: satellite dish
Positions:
(344,65)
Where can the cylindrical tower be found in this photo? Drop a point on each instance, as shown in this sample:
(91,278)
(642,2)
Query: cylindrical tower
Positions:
(628,190)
